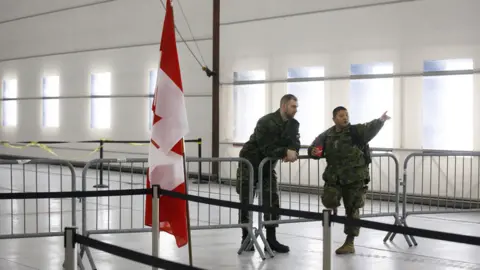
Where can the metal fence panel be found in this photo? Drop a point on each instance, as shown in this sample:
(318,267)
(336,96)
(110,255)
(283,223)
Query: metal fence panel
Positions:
(302,186)
(26,218)
(440,183)
(126,214)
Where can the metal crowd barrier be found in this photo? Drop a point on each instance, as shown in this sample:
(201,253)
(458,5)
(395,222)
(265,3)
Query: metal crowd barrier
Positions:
(39,217)
(227,217)
(71,239)
(125,214)
(440,183)
(382,196)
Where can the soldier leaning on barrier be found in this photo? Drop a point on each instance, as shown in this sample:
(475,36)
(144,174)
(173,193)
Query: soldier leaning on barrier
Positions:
(347,154)
(276,136)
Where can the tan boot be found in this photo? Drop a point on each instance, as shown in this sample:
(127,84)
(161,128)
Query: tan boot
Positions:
(348,247)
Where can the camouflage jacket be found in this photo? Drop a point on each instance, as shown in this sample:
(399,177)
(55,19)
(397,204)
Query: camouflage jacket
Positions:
(272,137)
(345,162)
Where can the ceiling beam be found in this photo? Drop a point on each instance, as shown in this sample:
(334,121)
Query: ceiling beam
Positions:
(56,11)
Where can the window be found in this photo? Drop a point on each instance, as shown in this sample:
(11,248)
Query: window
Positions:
(311,100)
(370,98)
(152,84)
(101,105)
(248,102)
(10,106)
(448,106)
(51,107)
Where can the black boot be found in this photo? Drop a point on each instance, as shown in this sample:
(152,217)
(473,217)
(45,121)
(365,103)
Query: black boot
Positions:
(273,243)
(245,236)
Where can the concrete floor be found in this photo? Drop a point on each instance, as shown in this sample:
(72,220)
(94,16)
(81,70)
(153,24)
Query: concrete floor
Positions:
(212,249)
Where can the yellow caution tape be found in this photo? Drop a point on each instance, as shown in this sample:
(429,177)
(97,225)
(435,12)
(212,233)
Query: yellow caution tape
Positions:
(6,144)
(49,150)
(95,150)
(44,147)
(39,145)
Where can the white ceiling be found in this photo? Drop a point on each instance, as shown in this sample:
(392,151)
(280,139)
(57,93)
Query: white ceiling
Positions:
(12,9)
(98,24)
(235,10)
(232,10)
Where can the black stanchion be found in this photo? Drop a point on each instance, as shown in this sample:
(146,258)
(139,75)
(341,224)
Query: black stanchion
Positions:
(200,179)
(101,184)
(200,156)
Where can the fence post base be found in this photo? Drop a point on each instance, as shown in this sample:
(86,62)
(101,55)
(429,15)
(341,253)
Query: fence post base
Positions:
(155,222)
(70,248)
(327,239)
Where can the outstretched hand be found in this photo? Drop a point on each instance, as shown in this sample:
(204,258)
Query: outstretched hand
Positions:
(385,117)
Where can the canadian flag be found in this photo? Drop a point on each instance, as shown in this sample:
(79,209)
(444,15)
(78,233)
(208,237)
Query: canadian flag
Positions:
(166,150)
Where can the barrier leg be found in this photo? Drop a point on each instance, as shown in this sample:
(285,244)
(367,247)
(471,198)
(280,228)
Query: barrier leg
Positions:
(400,222)
(259,231)
(327,240)
(391,235)
(84,250)
(90,258)
(70,250)
(80,264)
(155,223)
(247,243)
(254,242)
(251,240)
(268,249)
(411,236)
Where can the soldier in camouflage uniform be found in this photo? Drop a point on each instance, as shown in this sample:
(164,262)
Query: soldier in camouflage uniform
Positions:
(345,148)
(276,136)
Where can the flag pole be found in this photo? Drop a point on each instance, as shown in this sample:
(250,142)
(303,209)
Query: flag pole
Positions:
(190,256)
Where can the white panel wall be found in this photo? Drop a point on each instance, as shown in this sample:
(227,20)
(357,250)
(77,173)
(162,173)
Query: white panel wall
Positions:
(134,31)
(405,34)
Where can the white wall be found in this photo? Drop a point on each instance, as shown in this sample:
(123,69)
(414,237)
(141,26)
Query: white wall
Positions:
(405,34)
(133,30)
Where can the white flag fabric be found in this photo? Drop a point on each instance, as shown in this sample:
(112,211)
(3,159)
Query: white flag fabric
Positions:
(170,107)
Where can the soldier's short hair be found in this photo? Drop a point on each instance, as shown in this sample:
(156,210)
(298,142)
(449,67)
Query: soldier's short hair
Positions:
(338,109)
(286,98)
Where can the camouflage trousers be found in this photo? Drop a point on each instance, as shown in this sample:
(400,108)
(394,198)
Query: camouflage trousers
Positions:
(353,195)
(269,192)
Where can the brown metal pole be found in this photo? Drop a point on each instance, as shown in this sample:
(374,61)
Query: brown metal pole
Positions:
(216,89)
